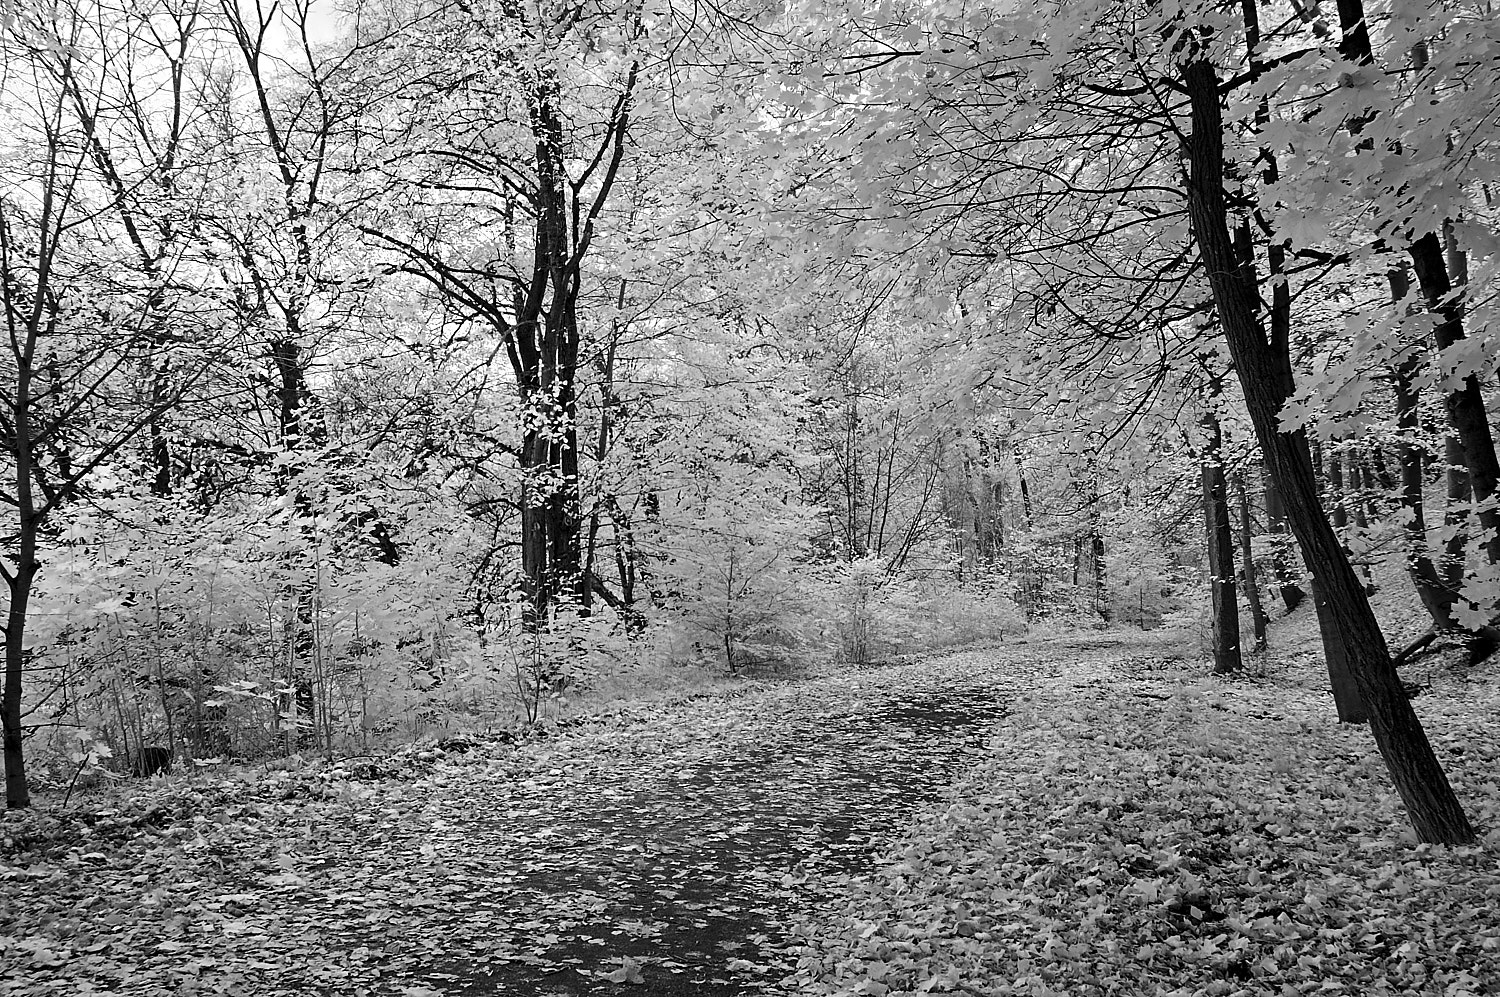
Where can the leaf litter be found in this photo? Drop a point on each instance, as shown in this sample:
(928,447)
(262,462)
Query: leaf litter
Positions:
(1071,816)
(1139,828)
(665,848)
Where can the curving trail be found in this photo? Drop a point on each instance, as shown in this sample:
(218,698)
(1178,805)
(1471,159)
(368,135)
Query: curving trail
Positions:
(674,852)
(663,849)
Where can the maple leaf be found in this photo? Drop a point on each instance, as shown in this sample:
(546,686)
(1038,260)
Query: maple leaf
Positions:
(629,971)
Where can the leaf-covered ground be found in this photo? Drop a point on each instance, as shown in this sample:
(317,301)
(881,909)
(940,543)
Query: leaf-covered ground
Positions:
(1085,815)
(665,848)
(1137,828)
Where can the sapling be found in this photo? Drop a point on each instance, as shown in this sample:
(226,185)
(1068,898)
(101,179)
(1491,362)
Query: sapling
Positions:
(87,757)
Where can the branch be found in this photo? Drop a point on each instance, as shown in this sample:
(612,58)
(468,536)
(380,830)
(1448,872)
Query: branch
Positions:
(1255,71)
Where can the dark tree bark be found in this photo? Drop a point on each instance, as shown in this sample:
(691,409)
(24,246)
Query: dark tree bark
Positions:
(1025,487)
(1266,377)
(1437,584)
(1338,499)
(1442,290)
(1465,404)
(1220,541)
(1033,582)
(1291,593)
(1384,479)
(1455,516)
(535,316)
(1335,651)
(1346,698)
(1437,597)
(1096,555)
(18,582)
(1247,562)
(1342,477)
(1366,508)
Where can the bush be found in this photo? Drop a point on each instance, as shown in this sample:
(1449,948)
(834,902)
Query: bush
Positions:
(972,614)
(862,613)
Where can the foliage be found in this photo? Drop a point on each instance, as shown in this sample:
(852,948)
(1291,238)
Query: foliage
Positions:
(871,615)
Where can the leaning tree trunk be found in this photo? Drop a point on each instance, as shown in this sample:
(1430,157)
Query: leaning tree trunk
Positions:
(1265,373)
(1341,682)
(1430,259)
(1465,404)
(1437,597)
(1437,585)
(1226,610)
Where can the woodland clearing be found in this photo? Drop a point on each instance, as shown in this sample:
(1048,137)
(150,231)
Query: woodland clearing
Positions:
(1079,814)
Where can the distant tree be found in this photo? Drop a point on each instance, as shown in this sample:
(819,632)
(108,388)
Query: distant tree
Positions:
(1248,573)
(1220,541)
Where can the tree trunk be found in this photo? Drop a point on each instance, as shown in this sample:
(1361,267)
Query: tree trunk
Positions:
(1291,593)
(17,789)
(1338,504)
(1341,682)
(20,577)
(1380,467)
(1265,373)
(161,450)
(1437,598)
(1430,259)
(1335,651)
(1096,555)
(1365,511)
(1455,513)
(1025,487)
(1226,610)
(551,526)
(1465,404)
(1437,585)
(19,580)
(1247,561)
(1341,478)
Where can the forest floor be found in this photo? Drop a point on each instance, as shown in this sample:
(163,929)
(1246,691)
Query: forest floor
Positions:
(1082,814)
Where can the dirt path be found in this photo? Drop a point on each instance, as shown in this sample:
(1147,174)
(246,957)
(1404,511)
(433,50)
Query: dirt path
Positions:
(678,870)
(664,849)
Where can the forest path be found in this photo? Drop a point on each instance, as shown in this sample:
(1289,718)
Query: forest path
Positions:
(671,851)
(660,848)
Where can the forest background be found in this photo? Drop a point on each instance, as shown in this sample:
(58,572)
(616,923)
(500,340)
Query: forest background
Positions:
(388,367)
